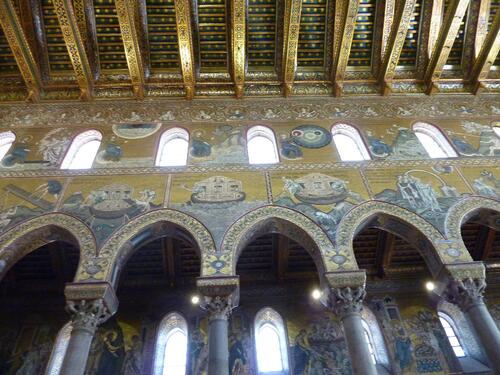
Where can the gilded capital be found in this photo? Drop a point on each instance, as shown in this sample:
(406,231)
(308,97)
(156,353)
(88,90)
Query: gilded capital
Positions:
(346,301)
(218,307)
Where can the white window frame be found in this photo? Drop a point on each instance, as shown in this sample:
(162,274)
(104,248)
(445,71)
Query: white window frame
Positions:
(6,138)
(437,135)
(265,132)
(446,318)
(269,316)
(172,322)
(59,350)
(167,136)
(353,133)
(79,141)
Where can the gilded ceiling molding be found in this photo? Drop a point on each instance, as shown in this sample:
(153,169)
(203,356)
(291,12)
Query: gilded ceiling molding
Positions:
(444,42)
(349,10)
(401,23)
(185,41)
(238,40)
(20,47)
(127,12)
(293,11)
(487,55)
(75,45)
(389,20)
(84,11)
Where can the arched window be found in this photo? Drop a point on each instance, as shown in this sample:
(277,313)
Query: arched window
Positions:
(173,148)
(446,322)
(496,129)
(261,145)
(171,346)
(369,341)
(59,351)
(83,149)
(6,140)
(349,143)
(433,140)
(270,343)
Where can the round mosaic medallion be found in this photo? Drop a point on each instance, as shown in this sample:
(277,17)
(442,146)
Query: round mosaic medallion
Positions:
(311,136)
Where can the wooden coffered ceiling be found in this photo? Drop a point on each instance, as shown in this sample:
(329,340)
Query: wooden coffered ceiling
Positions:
(102,49)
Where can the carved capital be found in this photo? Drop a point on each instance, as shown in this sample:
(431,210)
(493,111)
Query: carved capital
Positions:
(218,307)
(90,304)
(87,314)
(465,293)
(346,301)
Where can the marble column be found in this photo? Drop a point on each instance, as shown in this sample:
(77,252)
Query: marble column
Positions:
(218,310)
(347,303)
(220,295)
(89,305)
(468,294)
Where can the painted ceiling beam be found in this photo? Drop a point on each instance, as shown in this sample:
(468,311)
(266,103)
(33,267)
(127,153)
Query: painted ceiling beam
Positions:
(475,32)
(436,20)
(481,30)
(400,26)
(384,15)
(487,55)
(20,47)
(75,45)
(127,12)
(238,40)
(84,10)
(345,30)
(293,11)
(432,18)
(185,41)
(444,42)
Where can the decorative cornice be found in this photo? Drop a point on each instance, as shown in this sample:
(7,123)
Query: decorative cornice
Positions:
(486,162)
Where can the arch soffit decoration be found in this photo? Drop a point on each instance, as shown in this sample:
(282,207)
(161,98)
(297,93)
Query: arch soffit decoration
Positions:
(242,229)
(29,235)
(441,252)
(119,244)
(463,209)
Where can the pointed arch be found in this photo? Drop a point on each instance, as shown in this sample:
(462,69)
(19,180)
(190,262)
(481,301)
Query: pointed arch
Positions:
(83,150)
(261,145)
(349,143)
(173,148)
(31,234)
(461,211)
(120,245)
(434,141)
(432,245)
(171,345)
(6,140)
(292,224)
(271,343)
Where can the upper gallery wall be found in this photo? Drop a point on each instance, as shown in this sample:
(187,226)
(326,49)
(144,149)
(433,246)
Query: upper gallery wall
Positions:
(124,191)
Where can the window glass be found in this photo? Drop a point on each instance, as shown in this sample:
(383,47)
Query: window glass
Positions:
(269,349)
(452,337)
(83,150)
(496,129)
(174,153)
(349,144)
(261,145)
(6,140)
(433,141)
(174,362)
(59,351)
